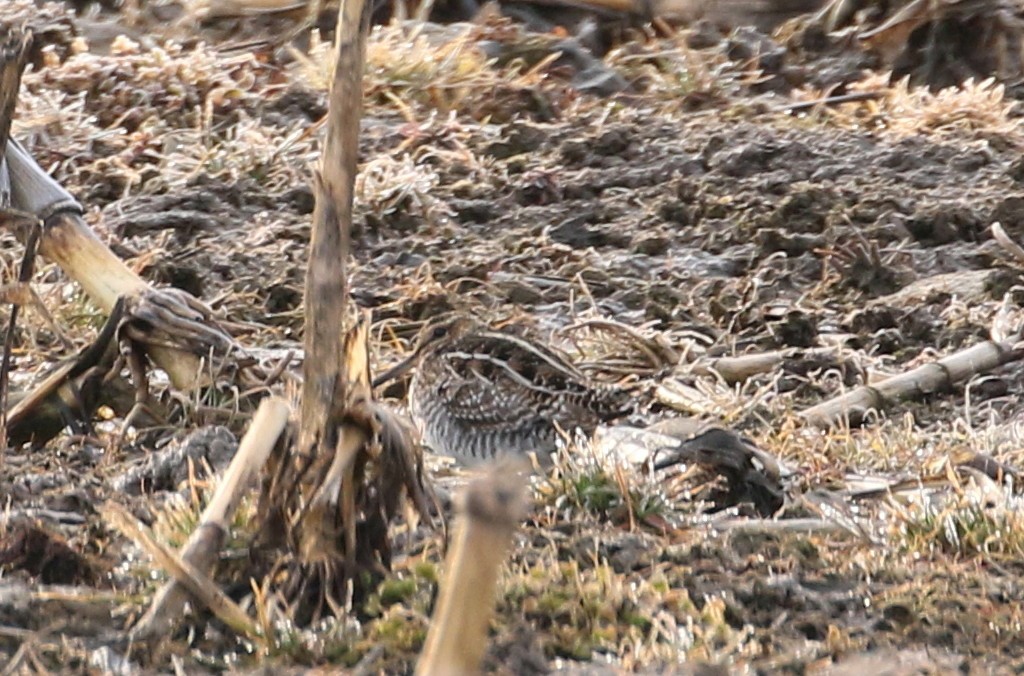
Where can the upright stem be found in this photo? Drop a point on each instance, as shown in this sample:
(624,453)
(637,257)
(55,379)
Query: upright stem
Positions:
(326,276)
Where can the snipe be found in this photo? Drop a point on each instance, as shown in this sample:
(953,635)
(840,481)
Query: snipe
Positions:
(477,393)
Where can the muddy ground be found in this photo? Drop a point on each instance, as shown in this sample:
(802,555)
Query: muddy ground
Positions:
(695,206)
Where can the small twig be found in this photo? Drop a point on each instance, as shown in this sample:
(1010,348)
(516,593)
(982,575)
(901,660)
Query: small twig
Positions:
(1000,235)
(279,369)
(24,276)
(852,97)
(23,293)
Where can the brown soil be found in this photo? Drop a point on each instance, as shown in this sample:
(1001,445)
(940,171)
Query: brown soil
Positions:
(692,205)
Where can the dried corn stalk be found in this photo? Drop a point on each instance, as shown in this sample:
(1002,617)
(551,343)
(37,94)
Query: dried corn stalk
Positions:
(165,326)
(329,498)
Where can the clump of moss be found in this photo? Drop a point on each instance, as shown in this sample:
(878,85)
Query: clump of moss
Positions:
(398,632)
(581,610)
(412,587)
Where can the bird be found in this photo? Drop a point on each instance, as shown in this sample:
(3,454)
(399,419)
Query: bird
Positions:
(751,476)
(478,394)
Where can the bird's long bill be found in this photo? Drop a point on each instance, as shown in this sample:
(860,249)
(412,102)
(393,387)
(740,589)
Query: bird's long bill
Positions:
(396,371)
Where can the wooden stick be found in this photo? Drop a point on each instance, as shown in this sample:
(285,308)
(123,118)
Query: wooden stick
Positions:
(457,640)
(204,545)
(925,379)
(196,581)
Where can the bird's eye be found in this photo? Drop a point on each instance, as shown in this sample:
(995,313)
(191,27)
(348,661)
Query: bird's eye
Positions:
(439,331)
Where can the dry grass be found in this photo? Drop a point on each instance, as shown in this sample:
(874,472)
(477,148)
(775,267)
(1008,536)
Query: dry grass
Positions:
(616,566)
(675,75)
(106,106)
(972,110)
(588,484)
(425,70)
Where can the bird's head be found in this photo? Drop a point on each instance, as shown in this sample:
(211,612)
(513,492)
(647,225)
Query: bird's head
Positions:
(434,333)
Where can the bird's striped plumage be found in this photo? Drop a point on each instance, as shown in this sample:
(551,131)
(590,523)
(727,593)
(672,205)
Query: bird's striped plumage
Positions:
(477,394)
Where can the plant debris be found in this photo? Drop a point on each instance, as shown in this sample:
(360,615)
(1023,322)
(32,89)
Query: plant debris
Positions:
(742,223)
